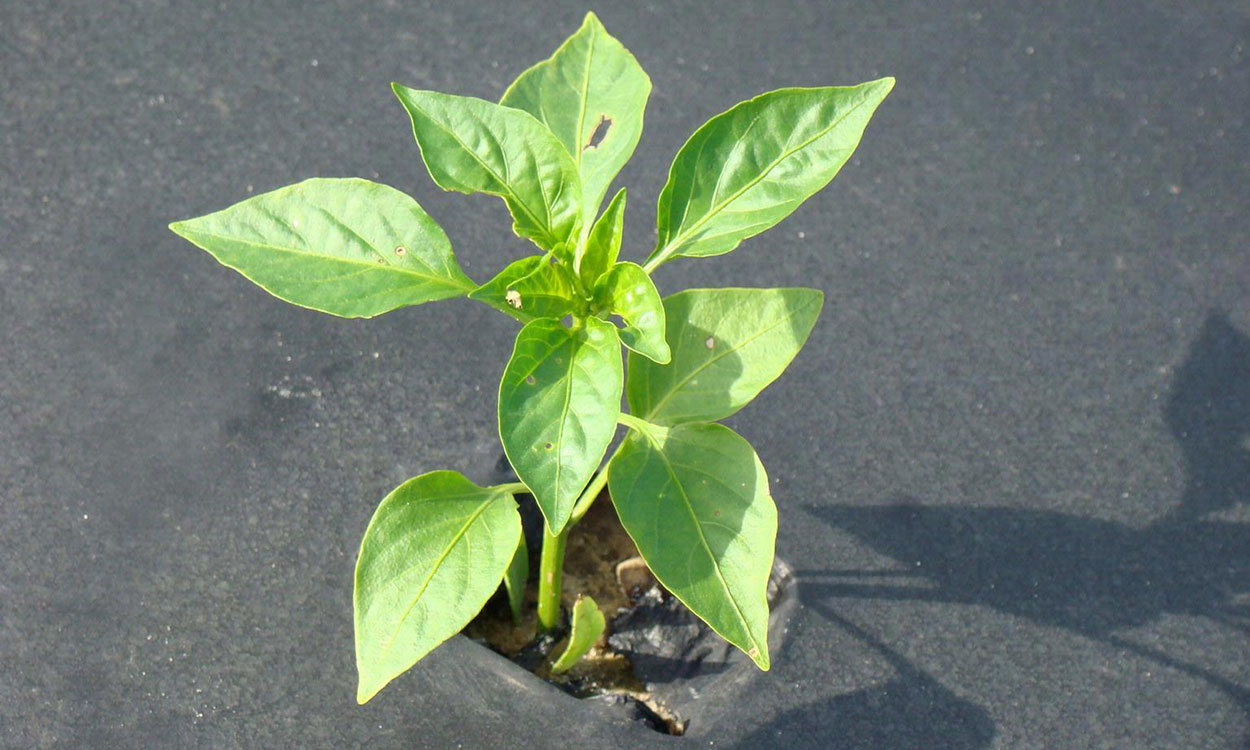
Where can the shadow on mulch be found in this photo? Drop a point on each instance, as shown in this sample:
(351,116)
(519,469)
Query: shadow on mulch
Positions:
(1088,576)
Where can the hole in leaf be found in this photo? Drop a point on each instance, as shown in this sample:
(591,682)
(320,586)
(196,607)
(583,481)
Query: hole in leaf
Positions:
(601,132)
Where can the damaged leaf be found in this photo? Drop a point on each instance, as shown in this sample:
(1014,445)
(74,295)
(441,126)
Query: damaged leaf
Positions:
(530,288)
(591,93)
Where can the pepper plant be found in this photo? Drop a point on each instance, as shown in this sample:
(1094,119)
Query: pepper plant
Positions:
(689,491)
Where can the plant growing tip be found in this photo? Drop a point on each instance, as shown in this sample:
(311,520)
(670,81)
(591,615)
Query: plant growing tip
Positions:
(690,492)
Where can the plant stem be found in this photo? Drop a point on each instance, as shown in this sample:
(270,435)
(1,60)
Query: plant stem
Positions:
(588,496)
(550,575)
(551,565)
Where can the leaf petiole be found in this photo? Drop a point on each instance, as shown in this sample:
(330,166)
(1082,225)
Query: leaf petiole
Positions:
(511,487)
(657,259)
(590,493)
(636,424)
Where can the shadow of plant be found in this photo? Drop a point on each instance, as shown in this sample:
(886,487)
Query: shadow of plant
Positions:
(1090,576)
(911,710)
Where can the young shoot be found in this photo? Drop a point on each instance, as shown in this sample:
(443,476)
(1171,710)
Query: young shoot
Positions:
(689,491)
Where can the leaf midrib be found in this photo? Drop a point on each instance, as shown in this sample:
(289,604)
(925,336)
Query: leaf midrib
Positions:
(451,281)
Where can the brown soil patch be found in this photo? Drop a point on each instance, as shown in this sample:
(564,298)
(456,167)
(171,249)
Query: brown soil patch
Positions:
(594,549)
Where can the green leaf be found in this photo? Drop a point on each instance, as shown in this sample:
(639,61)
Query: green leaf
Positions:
(347,247)
(559,400)
(749,168)
(588,625)
(432,556)
(530,288)
(727,344)
(628,291)
(604,243)
(591,93)
(514,580)
(694,498)
(474,146)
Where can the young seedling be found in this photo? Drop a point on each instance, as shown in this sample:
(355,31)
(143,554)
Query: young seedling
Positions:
(585,627)
(690,492)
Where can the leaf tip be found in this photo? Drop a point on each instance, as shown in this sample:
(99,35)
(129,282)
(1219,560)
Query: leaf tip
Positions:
(365,691)
(402,92)
(760,657)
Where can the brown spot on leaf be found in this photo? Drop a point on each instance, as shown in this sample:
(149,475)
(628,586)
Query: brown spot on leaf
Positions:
(710,343)
(514,298)
(601,132)
(401,251)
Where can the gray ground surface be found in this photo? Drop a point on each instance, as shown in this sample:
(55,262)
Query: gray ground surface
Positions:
(1011,463)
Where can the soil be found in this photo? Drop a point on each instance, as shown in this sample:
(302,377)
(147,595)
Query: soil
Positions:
(656,661)
(593,552)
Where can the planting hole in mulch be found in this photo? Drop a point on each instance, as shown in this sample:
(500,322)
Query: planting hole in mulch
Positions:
(656,663)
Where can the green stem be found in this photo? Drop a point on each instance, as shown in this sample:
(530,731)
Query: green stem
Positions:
(601,479)
(588,496)
(657,259)
(551,565)
(550,574)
